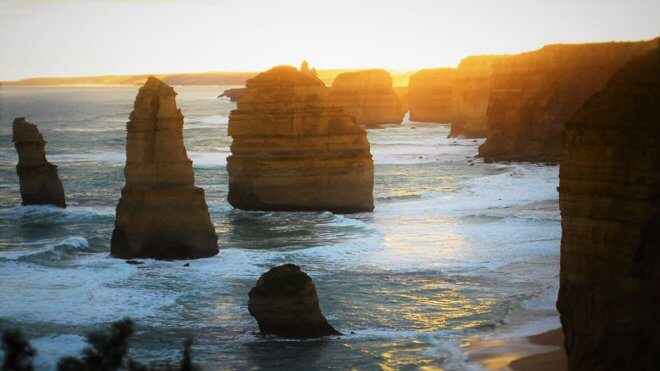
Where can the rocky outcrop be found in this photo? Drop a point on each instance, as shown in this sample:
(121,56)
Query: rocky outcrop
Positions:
(609,195)
(284,303)
(470,96)
(292,150)
(402,93)
(430,95)
(304,69)
(368,97)
(161,214)
(233,94)
(39,181)
(533,94)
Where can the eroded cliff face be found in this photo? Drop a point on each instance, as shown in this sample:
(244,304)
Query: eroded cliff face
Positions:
(293,150)
(161,214)
(368,97)
(609,195)
(39,181)
(533,94)
(233,94)
(470,96)
(430,95)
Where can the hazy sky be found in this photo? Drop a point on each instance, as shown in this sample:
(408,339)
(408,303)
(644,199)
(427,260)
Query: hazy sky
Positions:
(91,37)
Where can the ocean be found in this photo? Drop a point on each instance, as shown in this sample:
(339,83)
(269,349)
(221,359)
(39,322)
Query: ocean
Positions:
(455,250)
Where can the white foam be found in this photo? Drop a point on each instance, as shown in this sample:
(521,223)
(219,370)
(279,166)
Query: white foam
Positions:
(51,348)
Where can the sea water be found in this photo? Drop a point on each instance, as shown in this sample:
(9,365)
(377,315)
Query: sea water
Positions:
(455,248)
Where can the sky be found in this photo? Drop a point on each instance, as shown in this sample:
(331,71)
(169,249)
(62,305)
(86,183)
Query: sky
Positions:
(95,37)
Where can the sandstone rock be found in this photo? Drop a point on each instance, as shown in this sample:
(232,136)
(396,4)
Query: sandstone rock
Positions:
(304,69)
(430,95)
(39,181)
(284,303)
(533,94)
(233,94)
(402,93)
(470,96)
(609,195)
(293,151)
(368,97)
(161,214)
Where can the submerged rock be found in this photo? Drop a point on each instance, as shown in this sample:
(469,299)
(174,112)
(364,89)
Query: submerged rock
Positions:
(533,94)
(368,97)
(161,214)
(233,94)
(294,151)
(430,95)
(609,195)
(39,181)
(284,303)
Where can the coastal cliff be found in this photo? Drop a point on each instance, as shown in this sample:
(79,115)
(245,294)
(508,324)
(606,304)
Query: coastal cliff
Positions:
(38,178)
(368,97)
(609,195)
(430,95)
(161,214)
(233,94)
(533,94)
(294,150)
(470,96)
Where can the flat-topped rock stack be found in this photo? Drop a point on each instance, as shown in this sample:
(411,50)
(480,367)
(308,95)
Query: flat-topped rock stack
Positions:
(368,97)
(161,214)
(38,178)
(430,95)
(533,94)
(609,195)
(293,150)
(470,96)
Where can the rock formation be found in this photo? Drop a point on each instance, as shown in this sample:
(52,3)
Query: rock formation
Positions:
(161,214)
(402,92)
(233,94)
(284,303)
(304,69)
(368,97)
(39,182)
(609,195)
(292,150)
(430,95)
(470,96)
(533,94)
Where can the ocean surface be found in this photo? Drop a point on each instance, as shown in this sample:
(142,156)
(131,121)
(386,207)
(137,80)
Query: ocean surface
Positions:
(455,250)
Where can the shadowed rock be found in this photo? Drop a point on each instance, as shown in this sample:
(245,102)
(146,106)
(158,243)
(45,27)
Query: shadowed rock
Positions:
(39,181)
(284,303)
(161,214)
(233,94)
(609,195)
(294,151)
(430,95)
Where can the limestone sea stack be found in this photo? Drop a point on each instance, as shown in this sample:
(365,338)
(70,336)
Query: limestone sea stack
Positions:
(38,178)
(161,214)
(292,150)
(430,95)
(368,97)
(609,195)
(284,303)
(233,94)
(533,94)
(470,95)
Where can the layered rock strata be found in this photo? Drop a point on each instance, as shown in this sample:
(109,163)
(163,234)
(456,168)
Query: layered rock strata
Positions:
(292,150)
(284,303)
(430,95)
(38,178)
(470,96)
(533,94)
(609,195)
(368,97)
(161,214)
(233,94)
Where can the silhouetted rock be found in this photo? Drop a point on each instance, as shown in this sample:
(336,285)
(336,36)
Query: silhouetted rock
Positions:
(304,69)
(284,303)
(40,184)
(233,94)
(368,97)
(470,96)
(161,214)
(294,151)
(609,194)
(430,95)
(533,94)
(18,353)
